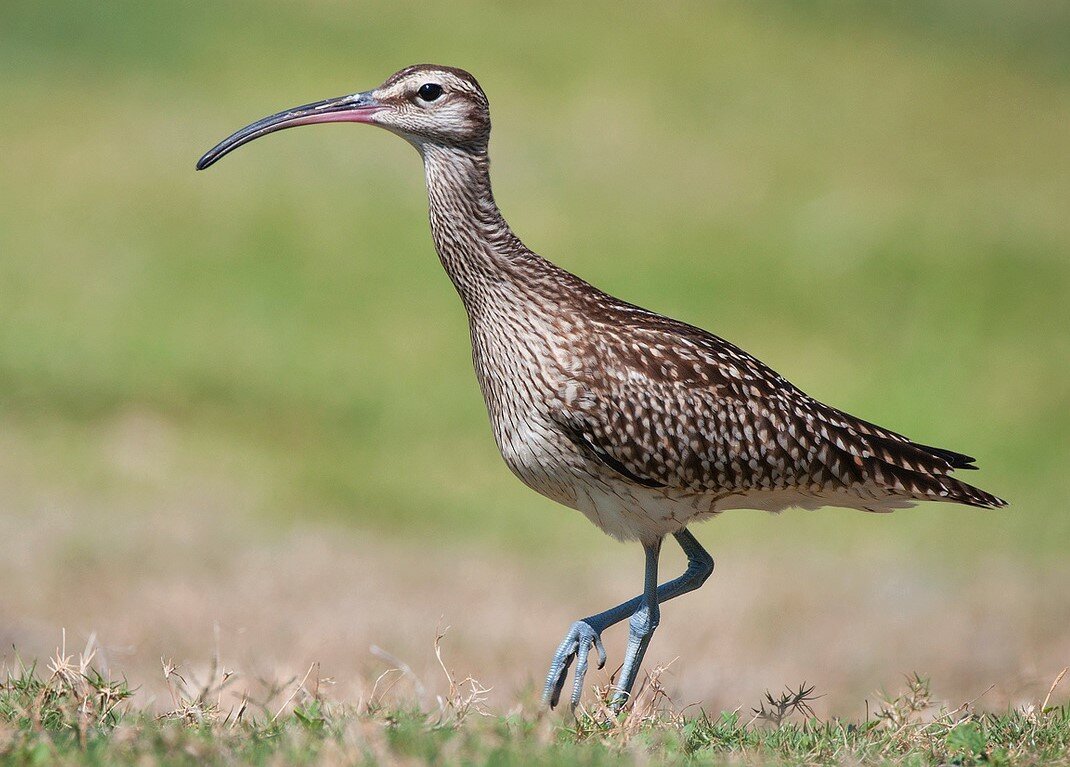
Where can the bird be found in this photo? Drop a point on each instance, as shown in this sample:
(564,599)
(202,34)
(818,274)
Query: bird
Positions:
(643,423)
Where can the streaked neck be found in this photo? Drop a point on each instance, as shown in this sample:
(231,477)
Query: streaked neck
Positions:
(474,242)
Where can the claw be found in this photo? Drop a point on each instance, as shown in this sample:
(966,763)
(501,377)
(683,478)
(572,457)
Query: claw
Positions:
(601,651)
(576,646)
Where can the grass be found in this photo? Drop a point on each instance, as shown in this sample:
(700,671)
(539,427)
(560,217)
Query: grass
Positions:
(71,714)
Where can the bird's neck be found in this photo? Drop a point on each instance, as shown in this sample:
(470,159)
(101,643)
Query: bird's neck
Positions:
(475,244)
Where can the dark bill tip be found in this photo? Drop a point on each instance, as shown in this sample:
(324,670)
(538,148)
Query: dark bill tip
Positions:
(358,107)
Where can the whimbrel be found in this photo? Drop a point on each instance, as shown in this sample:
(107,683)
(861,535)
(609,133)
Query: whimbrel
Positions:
(643,423)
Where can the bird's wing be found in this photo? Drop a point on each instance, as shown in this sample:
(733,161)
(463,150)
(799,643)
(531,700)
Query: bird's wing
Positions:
(670,405)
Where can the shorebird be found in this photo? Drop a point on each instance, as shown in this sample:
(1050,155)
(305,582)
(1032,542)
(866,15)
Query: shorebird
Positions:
(643,423)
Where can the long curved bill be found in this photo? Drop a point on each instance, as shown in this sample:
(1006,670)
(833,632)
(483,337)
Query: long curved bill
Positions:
(357,108)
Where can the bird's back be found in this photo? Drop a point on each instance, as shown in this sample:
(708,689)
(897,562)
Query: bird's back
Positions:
(585,388)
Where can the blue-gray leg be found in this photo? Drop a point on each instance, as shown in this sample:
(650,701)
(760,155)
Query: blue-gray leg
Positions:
(641,627)
(644,614)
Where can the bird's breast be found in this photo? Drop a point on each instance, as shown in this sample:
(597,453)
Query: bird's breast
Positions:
(528,373)
(519,367)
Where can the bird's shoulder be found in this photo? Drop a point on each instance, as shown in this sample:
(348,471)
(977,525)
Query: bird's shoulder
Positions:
(628,345)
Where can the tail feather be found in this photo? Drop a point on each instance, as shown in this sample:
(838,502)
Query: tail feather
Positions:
(957,491)
(956,460)
(922,486)
(906,468)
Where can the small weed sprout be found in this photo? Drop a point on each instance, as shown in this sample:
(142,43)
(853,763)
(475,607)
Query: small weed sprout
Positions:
(906,708)
(73,698)
(774,710)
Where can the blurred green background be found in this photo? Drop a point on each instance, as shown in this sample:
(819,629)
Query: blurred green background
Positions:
(873,198)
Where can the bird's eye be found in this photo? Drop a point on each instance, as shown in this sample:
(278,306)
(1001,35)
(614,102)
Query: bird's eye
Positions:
(429,91)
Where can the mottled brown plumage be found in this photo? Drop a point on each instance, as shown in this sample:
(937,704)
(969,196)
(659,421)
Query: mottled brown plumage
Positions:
(642,422)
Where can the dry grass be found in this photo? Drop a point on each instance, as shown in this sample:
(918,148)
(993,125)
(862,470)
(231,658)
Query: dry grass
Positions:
(75,715)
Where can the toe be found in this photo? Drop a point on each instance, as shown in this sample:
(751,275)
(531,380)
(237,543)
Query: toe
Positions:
(559,682)
(601,651)
(555,679)
(581,671)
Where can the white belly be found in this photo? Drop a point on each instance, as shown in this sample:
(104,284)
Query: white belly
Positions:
(548,463)
(632,512)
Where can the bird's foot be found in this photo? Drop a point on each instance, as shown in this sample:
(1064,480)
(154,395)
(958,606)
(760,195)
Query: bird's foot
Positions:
(576,646)
(641,629)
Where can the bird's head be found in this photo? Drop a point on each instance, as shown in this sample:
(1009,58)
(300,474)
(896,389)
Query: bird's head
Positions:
(424,104)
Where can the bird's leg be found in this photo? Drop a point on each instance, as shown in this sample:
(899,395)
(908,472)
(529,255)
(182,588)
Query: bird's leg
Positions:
(641,627)
(587,633)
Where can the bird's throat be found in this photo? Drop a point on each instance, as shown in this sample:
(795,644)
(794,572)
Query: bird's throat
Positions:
(475,244)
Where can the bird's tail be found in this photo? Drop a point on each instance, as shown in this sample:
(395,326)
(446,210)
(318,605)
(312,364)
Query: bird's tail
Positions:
(909,469)
(957,491)
(903,472)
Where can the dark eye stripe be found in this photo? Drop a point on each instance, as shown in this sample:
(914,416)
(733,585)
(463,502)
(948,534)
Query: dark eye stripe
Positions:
(430,91)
